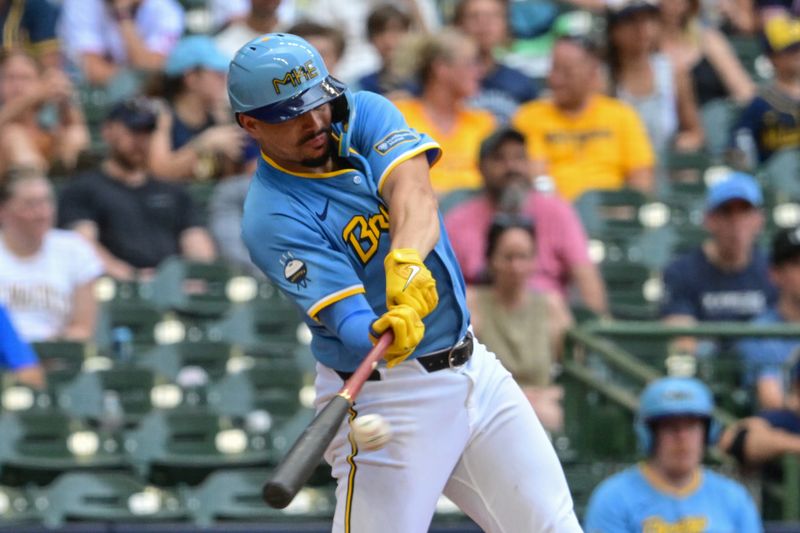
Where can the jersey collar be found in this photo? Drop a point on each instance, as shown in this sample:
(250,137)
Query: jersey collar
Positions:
(661,485)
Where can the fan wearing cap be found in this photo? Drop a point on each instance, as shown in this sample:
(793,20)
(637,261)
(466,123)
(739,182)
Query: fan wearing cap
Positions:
(725,278)
(764,358)
(671,490)
(771,118)
(194,138)
(133,220)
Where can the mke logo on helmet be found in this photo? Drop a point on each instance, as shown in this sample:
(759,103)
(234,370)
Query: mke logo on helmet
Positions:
(296,76)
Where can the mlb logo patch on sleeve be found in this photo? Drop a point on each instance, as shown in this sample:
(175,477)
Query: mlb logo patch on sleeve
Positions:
(394,139)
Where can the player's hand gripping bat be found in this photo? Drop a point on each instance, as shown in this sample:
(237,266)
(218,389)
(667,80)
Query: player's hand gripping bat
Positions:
(306,453)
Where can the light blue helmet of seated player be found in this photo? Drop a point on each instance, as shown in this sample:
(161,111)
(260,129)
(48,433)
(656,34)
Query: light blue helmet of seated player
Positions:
(278,76)
(672,397)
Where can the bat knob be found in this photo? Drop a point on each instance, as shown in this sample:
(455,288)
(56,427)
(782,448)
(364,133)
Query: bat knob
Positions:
(276,495)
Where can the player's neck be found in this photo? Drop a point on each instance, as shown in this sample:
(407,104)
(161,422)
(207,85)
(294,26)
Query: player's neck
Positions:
(130,177)
(789,85)
(670,479)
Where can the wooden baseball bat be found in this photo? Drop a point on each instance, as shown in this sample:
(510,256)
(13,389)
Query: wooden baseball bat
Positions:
(297,466)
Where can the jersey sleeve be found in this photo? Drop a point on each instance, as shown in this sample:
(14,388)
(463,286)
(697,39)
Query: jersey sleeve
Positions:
(381,135)
(749,520)
(604,513)
(300,261)
(14,352)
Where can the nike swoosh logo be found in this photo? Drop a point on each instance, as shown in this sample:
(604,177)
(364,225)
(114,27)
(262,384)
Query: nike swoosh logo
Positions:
(414,271)
(322,216)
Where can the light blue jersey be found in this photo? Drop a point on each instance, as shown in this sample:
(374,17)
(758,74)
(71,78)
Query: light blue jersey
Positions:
(323,237)
(634,501)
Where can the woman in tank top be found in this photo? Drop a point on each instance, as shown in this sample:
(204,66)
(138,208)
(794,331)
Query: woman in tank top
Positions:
(704,53)
(525,328)
(646,79)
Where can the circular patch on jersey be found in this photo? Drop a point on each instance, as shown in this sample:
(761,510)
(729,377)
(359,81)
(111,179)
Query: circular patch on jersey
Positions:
(295,271)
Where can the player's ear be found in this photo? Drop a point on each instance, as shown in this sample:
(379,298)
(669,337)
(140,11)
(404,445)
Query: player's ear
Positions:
(247,123)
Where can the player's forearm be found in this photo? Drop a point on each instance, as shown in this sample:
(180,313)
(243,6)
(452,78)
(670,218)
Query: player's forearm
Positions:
(413,207)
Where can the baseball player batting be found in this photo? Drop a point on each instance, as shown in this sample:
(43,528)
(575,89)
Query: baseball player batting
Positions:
(341,216)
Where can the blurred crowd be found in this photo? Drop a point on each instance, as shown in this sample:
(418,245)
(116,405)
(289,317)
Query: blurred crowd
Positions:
(118,150)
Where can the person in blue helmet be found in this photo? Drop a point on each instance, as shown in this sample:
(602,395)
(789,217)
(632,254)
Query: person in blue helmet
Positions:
(341,216)
(671,490)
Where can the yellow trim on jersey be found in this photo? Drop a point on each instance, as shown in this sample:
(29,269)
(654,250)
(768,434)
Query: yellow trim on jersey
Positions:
(661,485)
(306,174)
(405,157)
(333,298)
(351,478)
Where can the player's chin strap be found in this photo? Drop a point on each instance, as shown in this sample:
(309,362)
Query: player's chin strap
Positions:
(344,129)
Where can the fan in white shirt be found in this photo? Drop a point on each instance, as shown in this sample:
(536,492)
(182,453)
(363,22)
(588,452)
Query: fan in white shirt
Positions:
(46,275)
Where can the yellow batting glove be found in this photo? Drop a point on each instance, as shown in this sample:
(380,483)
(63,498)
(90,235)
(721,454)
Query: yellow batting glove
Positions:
(408,330)
(409,282)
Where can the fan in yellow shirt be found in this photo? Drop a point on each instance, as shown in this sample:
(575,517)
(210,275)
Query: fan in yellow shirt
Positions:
(581,139)
(446,64)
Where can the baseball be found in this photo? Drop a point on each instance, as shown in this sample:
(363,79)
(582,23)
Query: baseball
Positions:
(371,432)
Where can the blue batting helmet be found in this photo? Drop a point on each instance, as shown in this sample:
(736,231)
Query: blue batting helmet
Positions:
(674,396)
(279,76)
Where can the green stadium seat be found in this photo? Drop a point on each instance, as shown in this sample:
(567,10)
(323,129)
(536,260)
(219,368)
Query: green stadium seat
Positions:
(583,478)
(185,445)
(268,385)
(269,320)
(192,288)
(633,290)
(17,507)
(750,52)
(170,359)
(109,497)
(38,444)
(235,496)
(119,396)
(718,117)
(63,359)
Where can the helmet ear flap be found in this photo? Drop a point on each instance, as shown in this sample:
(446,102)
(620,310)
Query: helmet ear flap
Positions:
(644,435)
(715,429)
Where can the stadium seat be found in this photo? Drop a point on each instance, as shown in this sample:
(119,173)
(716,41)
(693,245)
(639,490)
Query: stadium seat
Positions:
(268,385)
(17,507)
(38,444)
(750,52)
(192,288)
(63,360)
(268,320)
(185,445)
(109,497)
(235,495)
(718,117)
(170,360)
(119,396)
(633,290)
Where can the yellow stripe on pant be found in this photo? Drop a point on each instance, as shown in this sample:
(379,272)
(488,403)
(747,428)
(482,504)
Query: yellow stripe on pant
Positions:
(351,479)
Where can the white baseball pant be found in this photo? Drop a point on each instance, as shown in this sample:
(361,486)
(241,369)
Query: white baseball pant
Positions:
(468,432)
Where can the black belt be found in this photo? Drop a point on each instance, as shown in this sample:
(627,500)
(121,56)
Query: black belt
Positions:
(447,358)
